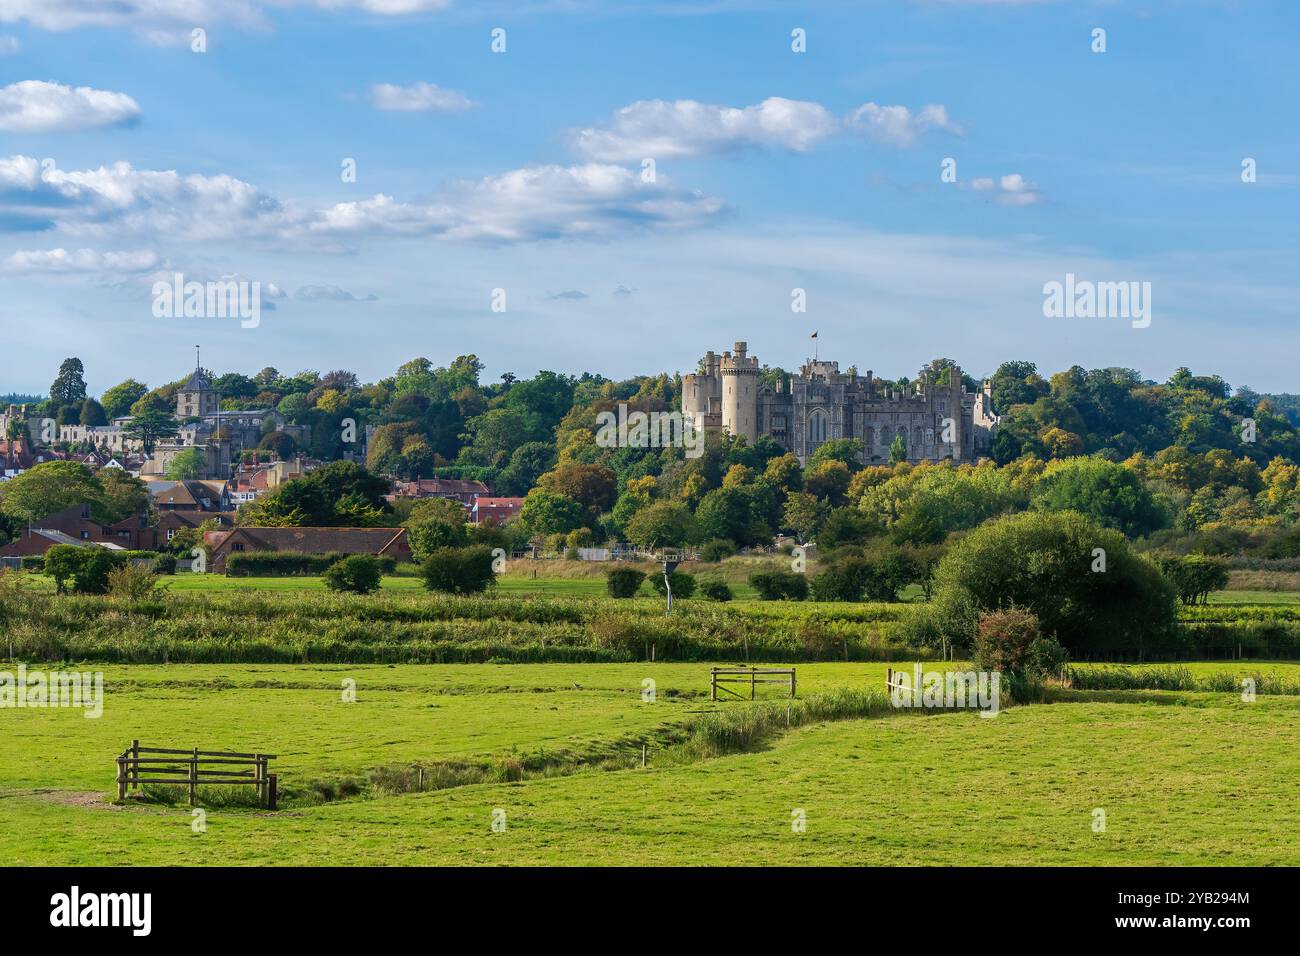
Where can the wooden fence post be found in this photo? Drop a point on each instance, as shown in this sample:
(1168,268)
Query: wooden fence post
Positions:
(792,682)
(194,777)
(270,792)
(135,764)
(713,683)
(121,777)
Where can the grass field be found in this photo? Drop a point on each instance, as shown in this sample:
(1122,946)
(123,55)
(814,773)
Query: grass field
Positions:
(1194,778)
(1190,774)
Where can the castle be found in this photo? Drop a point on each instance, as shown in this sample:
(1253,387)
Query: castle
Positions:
(822,403)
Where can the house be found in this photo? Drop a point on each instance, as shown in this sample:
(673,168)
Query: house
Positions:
(389,542)
(494,510)
(37,541)
(191,495)
(464,491)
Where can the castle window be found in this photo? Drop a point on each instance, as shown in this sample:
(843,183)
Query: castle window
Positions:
(817,427)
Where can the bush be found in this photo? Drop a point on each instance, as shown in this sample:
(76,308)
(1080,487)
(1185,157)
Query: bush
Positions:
(134,582)
(1044,562)
(623,582)
(683,584)
(843,580)
(358,574)
(164,564)
(32,562)
(460,570)
(1195,576)
(779,585)
(1003,639)
(83,570)
(716,590)
(276,564)
(716,549)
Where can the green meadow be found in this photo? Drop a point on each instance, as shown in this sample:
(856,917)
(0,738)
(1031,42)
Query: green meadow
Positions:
(403,721)
(1186,777)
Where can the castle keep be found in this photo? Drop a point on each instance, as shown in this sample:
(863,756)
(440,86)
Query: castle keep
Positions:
(822,403)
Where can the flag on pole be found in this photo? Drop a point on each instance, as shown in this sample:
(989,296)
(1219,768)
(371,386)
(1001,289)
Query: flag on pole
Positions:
(814,335)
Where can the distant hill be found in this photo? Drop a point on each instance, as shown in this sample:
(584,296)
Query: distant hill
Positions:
(1288,405)
(13,398)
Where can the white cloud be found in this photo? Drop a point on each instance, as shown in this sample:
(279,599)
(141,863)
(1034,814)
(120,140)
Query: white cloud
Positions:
(1010,190)
(662,129)
(35,106)
(9,45)
(80,260)
(418,98)
(330,293)
(166,21)
(543,202)
(898,125)
(521,205)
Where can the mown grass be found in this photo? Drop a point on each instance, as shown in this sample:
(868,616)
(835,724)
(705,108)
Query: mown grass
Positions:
(1203,779)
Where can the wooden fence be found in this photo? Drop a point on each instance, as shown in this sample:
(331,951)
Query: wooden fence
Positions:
(753,676)
(186,768)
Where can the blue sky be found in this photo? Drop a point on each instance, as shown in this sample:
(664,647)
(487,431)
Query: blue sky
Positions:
(523,171)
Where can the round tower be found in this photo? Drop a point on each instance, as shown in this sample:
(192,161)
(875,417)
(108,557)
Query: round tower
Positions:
(740,393)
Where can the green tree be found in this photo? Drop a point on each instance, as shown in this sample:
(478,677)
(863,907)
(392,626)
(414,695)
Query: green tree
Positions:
(1109,493)
(897,450)
(662,524)
(92,413)
(803,514)
(117,401)
(149,426)
(1051,564)
(69,387)
(187,465)
(124,495)
(49,487)
(545,512)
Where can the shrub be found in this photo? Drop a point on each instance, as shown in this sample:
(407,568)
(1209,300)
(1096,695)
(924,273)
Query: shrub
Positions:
(1003,639)
(683,584)
(779,585)
(716,549)
(460,570)
(274,564)
(1195,576)
(358,574)
(134,582)
(163,564)
(843,580)
(623,582)
(716,590)
(83,570)
(1044,562)
(32,562)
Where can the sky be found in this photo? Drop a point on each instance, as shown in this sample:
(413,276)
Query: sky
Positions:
(618,187)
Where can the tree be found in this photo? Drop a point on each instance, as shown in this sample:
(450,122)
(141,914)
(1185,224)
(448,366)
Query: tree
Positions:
(728,513)
(117,401)
(846,450)
(124,495)
(92,413)
(803,514)
(829,480)
(545,512)
(662,524)
(49,487)
(83,570)
(1049,564)
(150,426)
(897,450)
(281,444)
(591,485)
(188,465)
(528,462)
(69,387)
(1110,494)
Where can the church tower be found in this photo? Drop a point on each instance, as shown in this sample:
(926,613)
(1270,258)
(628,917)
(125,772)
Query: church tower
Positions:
(197,397)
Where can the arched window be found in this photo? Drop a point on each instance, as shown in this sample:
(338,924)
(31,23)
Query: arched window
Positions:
(817,427)
(868,437)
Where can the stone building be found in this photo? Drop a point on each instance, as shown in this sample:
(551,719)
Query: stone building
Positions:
(821,403)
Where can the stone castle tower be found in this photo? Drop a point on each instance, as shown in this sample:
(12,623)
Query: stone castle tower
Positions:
(740,393)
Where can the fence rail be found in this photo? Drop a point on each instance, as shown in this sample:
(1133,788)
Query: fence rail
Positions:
(174,767)
(753,676)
